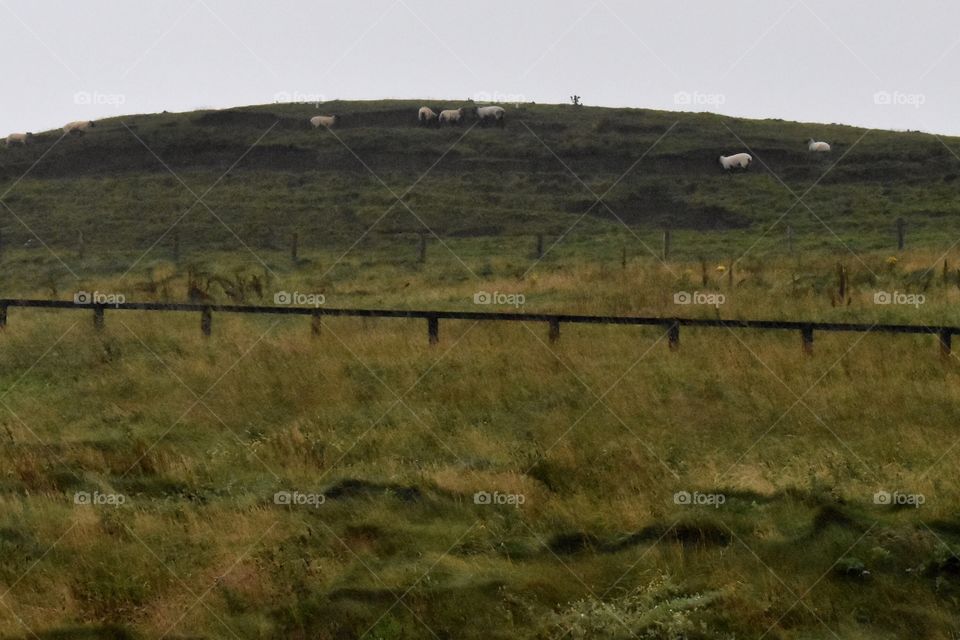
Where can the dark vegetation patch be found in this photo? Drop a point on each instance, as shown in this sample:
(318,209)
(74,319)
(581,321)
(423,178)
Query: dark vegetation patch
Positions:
(261,120)
(356,488)
(658,205)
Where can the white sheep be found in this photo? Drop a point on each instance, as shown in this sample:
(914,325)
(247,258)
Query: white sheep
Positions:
(451,116)
(78,127)
(737,160)
(487,115)
(813,145)
(325,121)
(18,139)
(427,116)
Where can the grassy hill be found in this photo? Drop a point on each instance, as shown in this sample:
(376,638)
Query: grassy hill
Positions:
(113,185)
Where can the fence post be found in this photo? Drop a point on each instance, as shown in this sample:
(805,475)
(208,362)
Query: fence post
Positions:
(946,337)
(901,233)
(315,323)
(433,329)
(623,258)
(206,321)
(666,244)
(554,330)
(3,316)
(674,335)
(806,333)
(293,247)
(98,317)
(539,245)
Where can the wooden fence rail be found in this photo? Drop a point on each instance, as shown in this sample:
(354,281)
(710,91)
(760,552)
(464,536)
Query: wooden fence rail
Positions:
(671,326)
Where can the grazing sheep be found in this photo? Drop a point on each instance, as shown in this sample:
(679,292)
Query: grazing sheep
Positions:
(451,117)
(325,121)
(817,146)
(427,117)
(78,127)
(736,161)
(18,139)
(486,115)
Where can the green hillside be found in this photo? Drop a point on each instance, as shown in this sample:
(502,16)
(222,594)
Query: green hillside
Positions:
(114,187)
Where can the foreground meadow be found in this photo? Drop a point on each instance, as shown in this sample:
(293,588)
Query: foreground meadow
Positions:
(265,482)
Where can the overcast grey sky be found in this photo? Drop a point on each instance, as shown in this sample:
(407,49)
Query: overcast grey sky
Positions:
(877,63)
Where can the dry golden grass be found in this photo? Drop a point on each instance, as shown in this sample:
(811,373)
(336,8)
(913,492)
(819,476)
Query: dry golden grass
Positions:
(597,433)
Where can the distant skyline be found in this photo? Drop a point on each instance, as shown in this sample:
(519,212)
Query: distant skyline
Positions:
(883,64)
